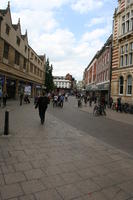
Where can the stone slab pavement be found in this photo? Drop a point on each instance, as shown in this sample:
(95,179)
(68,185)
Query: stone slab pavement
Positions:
(55,161)
(111,114)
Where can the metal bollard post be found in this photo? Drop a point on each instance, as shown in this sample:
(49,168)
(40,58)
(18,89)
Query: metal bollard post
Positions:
(6,126)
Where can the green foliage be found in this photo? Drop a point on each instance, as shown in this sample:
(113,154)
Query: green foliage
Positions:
(49,83)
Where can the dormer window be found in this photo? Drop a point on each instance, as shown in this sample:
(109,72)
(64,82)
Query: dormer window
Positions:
(7,29)
(18,41)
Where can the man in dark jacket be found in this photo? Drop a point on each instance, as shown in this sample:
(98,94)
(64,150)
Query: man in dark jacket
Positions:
(42,105)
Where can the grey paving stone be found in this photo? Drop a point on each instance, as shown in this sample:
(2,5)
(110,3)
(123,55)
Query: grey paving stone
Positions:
(56,180)
(52,170)
(33,186)
(127,186)
(49,195)
(103,181)
(96,196)
(11,191)
(71,177)
(23,166)
(46,182)
(14,177)
(7,169)
(2,182)
(87,186)
(69,192)
(34,174)
(100,170)
(86,173)
(116,193)
(27,197)
(67,167)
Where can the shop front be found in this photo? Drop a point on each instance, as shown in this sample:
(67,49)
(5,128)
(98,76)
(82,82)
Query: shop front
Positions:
(103,91)
(11,88)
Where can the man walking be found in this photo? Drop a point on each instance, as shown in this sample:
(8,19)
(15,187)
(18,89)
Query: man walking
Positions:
(42,105)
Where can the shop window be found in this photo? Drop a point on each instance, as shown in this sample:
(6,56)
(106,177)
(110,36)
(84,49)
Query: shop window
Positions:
(17,57)
(121,82)
(6,50)
(129,85)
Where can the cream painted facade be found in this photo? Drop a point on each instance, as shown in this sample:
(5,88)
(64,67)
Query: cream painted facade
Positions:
(20,66)
(122,54)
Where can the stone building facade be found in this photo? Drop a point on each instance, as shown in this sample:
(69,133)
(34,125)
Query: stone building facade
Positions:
(122,55)
(62,83)
(20,66)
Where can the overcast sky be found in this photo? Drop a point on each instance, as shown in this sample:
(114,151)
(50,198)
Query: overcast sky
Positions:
(69,32)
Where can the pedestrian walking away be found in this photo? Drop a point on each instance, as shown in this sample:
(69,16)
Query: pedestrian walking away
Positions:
(42,105)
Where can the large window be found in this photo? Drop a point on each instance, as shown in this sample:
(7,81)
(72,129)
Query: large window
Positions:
(121,82)
(6,50)
(17,57)
(127,22)
(7,29)
(129,85)
(122,57)
(126,55)
(24,63)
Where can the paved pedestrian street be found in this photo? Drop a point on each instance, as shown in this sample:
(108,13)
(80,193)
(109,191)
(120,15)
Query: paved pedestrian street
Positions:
(55,161)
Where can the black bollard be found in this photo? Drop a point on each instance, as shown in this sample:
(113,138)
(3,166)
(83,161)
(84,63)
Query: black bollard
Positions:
(6,127)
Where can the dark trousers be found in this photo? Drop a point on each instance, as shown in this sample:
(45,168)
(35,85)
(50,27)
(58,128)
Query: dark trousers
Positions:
(21,100)
(42,115)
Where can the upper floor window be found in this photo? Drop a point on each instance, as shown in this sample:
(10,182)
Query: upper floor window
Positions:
(17,58)
(25,49)
(129,85)
(7,29)
(6,50)
(121,82)
(131,53)
(31,67)
(18,41)
(24,63)
(122,57)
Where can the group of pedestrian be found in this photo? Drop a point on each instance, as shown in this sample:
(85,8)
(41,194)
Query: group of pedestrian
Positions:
(23,97)
(58,100)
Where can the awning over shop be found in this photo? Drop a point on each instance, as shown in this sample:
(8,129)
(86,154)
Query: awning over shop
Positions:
(104,86)
(98,87)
